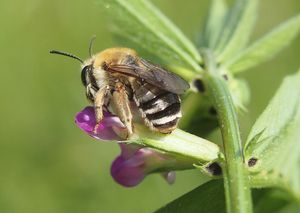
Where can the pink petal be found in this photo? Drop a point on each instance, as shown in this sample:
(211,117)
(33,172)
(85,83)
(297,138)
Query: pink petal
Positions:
(135,162)
(86,121)
(128,150)
(126,173)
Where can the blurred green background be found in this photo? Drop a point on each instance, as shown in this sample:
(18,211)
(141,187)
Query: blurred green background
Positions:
(47,164)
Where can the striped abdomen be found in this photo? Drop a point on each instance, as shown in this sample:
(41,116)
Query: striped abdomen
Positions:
(160,109)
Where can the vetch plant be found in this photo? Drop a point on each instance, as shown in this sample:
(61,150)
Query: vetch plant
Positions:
(270,158)
(146,152)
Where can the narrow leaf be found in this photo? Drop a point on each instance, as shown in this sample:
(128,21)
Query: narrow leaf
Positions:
(214,23)
(269,200)
(237,29)
(273,149)
(145,27)
(266,47)
(291,208)
(208,197)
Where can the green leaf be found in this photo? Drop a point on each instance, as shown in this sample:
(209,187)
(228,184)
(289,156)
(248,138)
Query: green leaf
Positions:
(145,28)
(274,141)
(208,197)
(214,23)
(237,29)
(266,47)
(291,208)
(269,200)
(240,93)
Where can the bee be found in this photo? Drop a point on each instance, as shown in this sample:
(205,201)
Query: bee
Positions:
(117,77)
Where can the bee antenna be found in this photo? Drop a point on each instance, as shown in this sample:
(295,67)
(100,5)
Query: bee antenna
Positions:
(66,54)
(91,45)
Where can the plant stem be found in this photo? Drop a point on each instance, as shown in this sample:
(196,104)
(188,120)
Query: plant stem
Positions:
(236,183)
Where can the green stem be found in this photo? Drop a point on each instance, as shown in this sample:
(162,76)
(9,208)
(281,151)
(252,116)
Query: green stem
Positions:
(236,183)
(180,143)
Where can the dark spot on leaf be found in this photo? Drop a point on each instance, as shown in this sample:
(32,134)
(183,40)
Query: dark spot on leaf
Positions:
(199,85)
(214,169)
(212,111)
(202,65)
(252,162)
(225,77)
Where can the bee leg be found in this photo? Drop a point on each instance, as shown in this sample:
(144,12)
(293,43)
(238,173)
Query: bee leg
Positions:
(120,104)
(98,105)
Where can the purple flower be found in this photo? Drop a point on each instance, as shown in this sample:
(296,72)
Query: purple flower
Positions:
(86,121)
(134,162)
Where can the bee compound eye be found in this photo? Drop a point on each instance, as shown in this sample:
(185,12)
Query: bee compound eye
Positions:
(84,74)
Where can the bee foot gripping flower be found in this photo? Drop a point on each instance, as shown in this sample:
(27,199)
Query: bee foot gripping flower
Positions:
(135,162)
(86,121)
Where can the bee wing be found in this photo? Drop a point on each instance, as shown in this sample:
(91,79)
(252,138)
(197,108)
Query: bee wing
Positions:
(154,75)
